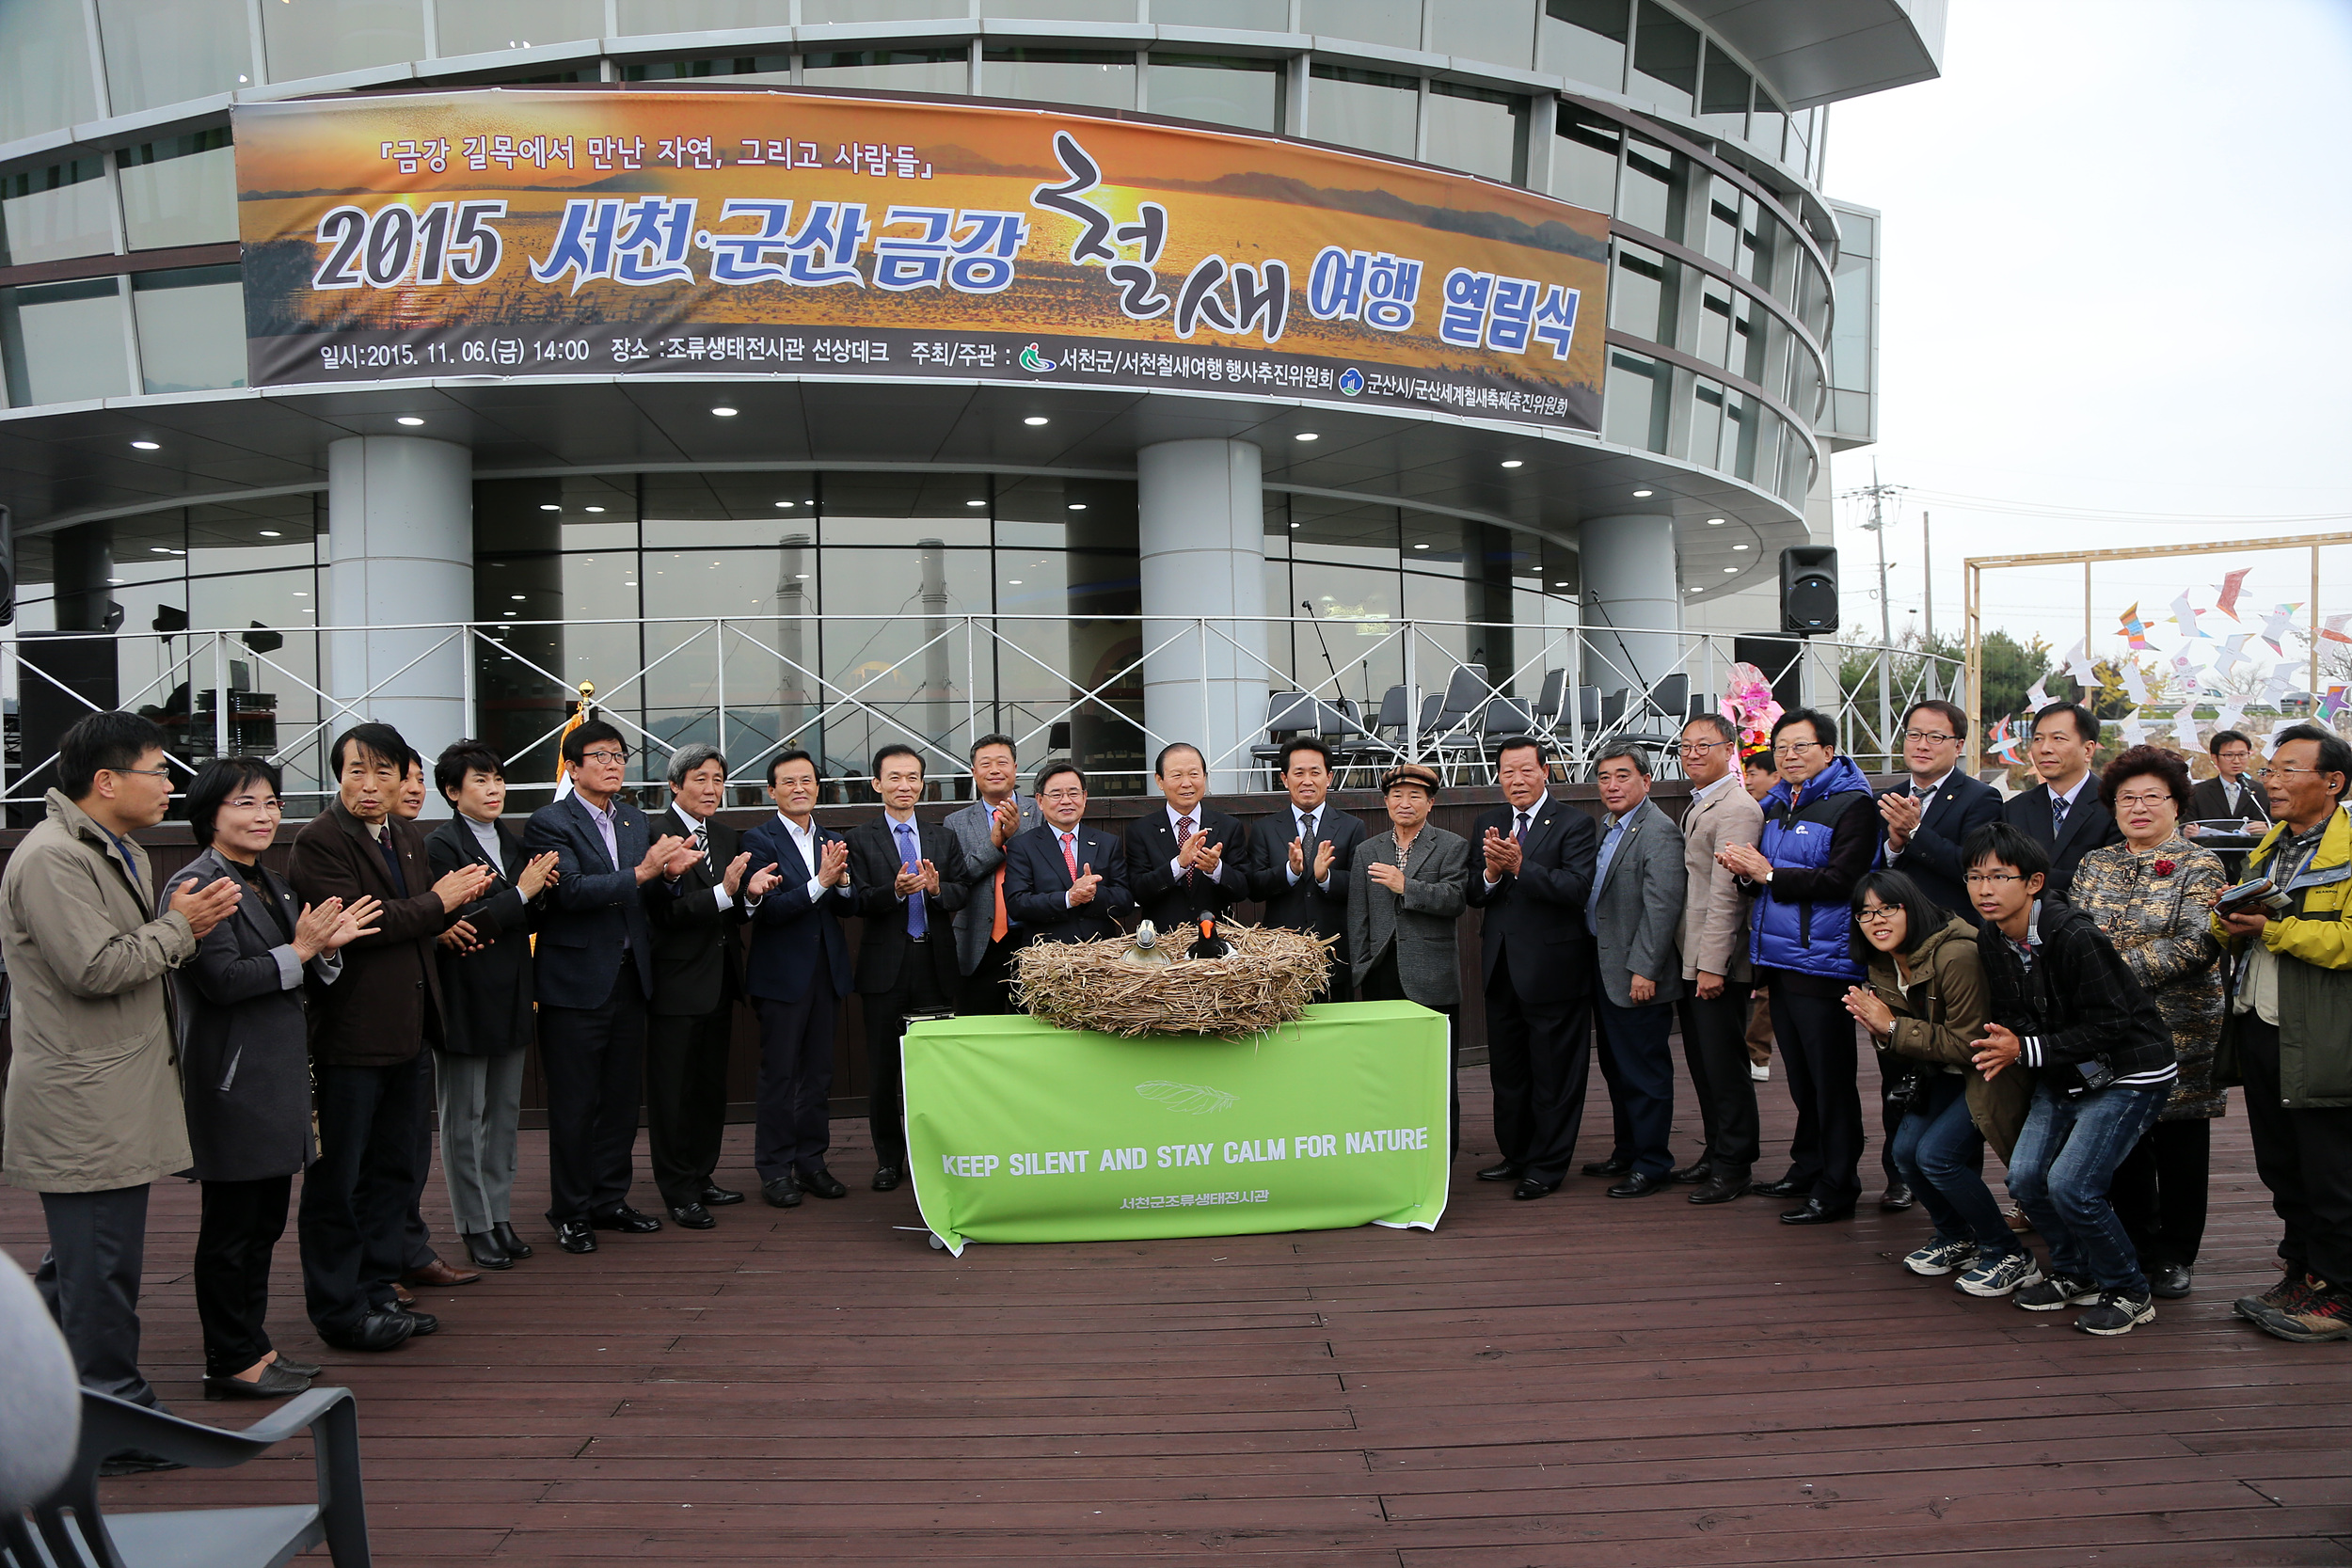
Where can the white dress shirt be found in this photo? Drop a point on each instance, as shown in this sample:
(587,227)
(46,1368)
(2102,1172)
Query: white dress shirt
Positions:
(805,840)
(1925,795)
(1303,824)
(1175,868)
(695,825)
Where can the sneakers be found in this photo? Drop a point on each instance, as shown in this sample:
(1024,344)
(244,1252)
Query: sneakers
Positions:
(2290,1296)
(2324,1312)
(1941,1257)
(2000,1276)
(2117,1313)
(2056,1291)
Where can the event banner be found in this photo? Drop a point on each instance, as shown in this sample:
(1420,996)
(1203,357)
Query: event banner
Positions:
(1019,1132)
(563,233)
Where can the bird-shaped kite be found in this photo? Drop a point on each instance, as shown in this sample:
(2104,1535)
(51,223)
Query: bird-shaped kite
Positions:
(2136,629)
(2135,683)
(2230,714)
(2331,629)
(2135,730)
(2185,617)
(2078,664)
(2332,704)
(2279,626)
(2231,586)
(2233,654)
(2037,695)
(2005,741)
(2185,673)
(2278,685)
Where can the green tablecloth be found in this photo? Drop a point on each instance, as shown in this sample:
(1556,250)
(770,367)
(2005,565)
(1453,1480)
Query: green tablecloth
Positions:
(1019,1132)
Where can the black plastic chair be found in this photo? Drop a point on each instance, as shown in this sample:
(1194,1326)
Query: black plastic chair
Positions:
(73,1533)
(1287,713)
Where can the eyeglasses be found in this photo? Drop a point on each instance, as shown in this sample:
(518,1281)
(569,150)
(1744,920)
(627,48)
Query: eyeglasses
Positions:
(1793,748)
(142,772)
(1877,914)
(2260,772)
(2143,799)
(1935,738)
(1703,747)
(1990,879)
(255,803)
(1060,795)
(600,755)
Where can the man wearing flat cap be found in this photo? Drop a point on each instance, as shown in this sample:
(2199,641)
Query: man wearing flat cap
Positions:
(1405,897)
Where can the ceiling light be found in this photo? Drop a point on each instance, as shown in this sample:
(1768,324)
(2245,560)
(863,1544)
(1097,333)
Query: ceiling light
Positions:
(1639,495)
(146,446)
(724,412)
(1715,522)
(786,505)
(299,593)
(1559,585)
(1421,546)
(1295,525)
(517,597)
(271,533)
(510,615)
(550,506)
(159,549)
(1731,568)
(117,582)
(1741,546)
(1307,435)
(591,509)
(1514,463)
(1037,419)
(799,576)
(1077,506)
(629,584)
(976,504)
(1014,582)
(409,419)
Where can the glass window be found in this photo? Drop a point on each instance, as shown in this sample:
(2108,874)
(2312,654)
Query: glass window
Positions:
(764,68)
(819,11)
(1585,40)
(1707,422)
(940,71)
(1499,31)
(1799,135)
(1665,59)
(696,16)
(1261,16)
(1584,159)
(1768,123)
(725,511)
(1740,421)
(171,54)
(1370,109)
(1394,23)
(1477,130)
(1095,76)
(1759,237)
(1656,188)
(180,191)
(252,536)
(320,38)
(191,325)
(1746,356)
(517,24)
(49,214)
(900,509)
(1635,401)
(44,67)
(1645,292)
(1223,89)
(1062,10)
(62,343)
(1714,323)
(1724,96)
(905,653)
(1719,235)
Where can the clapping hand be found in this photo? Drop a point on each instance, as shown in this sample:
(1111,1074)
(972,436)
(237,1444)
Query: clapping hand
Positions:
(1744,860)
(763,881)
(1995,1051)
(1502,854)
(463,886)
(316,923)
(1005,821)
(536,874)
(462,938)
(1869,1011)
(733,880)
(833,863)
(1903,813)
(207,907)
(659,854)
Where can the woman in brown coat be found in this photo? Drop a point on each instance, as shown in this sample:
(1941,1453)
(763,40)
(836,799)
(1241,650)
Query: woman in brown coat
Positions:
(1926,1002)
(2152,896)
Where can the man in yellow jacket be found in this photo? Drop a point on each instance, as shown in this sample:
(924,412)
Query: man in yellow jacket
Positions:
(2287,1035)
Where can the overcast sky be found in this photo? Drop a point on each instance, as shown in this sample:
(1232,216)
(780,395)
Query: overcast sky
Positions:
(2117,278)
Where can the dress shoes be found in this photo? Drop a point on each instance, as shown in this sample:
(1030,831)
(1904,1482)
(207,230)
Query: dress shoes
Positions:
(275,1382)
(136,1462)
(886,1178)
(421,1324)
(1786,1187)
(482,1250)
(299,1368)
(1692,1173)
(438,1276)
(823,1183)
(2170,1280)
(694,1216)
(575,1236)
(400,1293)
(1721,1189)
(1610,1166)
(383,1328)
(1531,1187)
(1813,1213)
(1507,1171)
(625,1219)
(783,1191)
(514,1246)
(1639,1184)
(1897,1198)
(715,1197)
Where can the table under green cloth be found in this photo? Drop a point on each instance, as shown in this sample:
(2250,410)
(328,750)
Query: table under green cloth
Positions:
(1019,1132)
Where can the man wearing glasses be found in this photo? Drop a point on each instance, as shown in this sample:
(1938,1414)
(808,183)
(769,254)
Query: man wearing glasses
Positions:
(2231,795)
(1715,960)
(1065,880)
(2063,812)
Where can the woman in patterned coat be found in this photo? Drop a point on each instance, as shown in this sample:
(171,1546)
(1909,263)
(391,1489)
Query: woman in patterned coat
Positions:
(2152,896)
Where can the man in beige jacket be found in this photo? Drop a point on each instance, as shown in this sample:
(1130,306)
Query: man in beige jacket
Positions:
(93,1111)
(1715,960)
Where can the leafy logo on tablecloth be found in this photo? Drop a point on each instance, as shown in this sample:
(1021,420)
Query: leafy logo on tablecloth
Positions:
(1193,1100)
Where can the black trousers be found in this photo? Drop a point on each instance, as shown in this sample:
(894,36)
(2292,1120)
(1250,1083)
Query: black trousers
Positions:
(1384,984)
(239,1230)
(1636,1061)
(917,991)
(2303,1157)
(1715,1049)
(983,994)
(354,1210)
(595,1062)
(416,1237)
(686,1099)
(90,1279)
(1817,1051)
(1890,1117)
(1539,1055)
(795,1082)
(2159,1191)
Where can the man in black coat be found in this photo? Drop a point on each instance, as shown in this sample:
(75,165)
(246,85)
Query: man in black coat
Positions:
(910,882)
(1065,881)
(697,975)
(2063,812)
(1185,861)
(1531,871)
(2231,793)
(1299,858)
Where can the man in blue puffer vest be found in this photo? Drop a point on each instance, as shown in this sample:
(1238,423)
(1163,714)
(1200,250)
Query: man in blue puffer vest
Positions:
(1821,835)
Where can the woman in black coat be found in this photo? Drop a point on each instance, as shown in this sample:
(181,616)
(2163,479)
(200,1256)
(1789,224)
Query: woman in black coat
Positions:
(245,1069)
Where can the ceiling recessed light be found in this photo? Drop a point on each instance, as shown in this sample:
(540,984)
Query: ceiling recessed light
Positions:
(1741,546)
(1077,506)
(271,533)
(517,597)
(1296,525)
(159,549)
(1421,546)
(724,412)
(1514,463)
(632,584)
(786,505)
(1559,585)
(510,615)
(117,582)
(146,446)
(550,506)
(976,504)
(1014,582)
(301,593)
(1716,522)
(1731,568)
(799,576)
(591,509)
(1639,495)
(1307,435)
(1037,419)
(409,420)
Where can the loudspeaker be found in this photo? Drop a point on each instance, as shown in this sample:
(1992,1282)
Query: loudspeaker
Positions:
(7,567)
(1808,589)
(86,665)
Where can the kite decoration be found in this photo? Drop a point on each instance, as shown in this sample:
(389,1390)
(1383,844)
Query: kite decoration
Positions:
(2233,654)
(2279,626)
(2185,617)
(2333,703)
(2278,685)
(2005,739)
(2231,586)
(2331,629)
(2135,683)
(2135,630)
(2037,695)
(2078,665)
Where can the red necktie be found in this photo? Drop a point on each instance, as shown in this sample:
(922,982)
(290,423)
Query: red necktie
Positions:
(1069,854)
(998,927)
(1183,831)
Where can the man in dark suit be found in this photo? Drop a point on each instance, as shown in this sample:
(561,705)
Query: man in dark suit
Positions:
(1532,872)
(2063,812)
(697,975)
(1185,861)
(797,973)
(369,1035)
(1298,860)
(909,881)
(2229,794)
(595,973)
(1065,880)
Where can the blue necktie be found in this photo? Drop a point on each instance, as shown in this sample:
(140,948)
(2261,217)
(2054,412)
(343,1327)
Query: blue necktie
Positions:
(909,853)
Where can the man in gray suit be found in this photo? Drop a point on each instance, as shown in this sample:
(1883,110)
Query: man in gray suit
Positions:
(1407,888)
(1634,912)
(1715,966)
(986,936)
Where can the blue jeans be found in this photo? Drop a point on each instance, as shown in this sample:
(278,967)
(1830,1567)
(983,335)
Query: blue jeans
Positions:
(1940,1156)
(2060,1173)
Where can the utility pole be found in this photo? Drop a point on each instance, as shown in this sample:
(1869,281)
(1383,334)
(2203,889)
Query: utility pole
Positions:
(1927,589)
(1878,494)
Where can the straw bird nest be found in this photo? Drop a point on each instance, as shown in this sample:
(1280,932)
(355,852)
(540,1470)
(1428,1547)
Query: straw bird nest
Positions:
(1267,980)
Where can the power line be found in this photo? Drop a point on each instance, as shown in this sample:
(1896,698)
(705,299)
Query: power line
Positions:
(2091,513)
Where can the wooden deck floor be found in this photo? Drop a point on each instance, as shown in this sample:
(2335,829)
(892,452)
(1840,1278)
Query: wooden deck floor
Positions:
(1574,1380)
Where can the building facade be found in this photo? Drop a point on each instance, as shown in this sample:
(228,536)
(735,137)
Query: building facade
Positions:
(820,560)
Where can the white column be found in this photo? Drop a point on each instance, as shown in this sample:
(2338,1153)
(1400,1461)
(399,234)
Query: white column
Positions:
(1629,579)
(1201,531)
(400,542)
